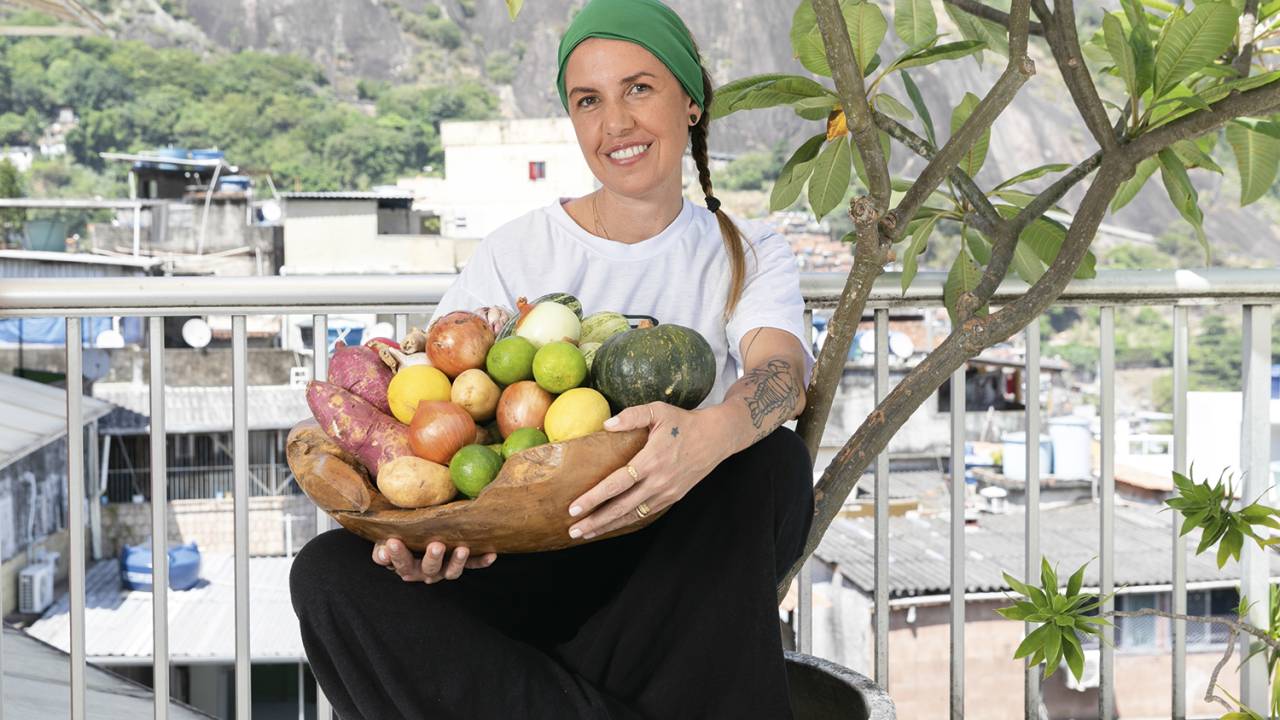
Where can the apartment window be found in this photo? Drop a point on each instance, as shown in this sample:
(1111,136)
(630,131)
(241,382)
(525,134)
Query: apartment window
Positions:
(537,171)
(1136,633)
(1221,602)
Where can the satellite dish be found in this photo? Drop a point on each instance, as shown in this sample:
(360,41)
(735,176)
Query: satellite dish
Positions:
(382,330)
(196,333)
(95,364)
(109,339)
(901,346)
(867,342)
(271,211)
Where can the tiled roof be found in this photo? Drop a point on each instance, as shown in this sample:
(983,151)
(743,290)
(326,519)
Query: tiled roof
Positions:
(201,409)
(201,620)
(919,550)
(33,414)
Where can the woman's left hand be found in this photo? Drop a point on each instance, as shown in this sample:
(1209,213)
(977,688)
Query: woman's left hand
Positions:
(683,447)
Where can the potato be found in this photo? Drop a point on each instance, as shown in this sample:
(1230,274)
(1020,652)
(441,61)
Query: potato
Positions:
(477,394)
(411,482)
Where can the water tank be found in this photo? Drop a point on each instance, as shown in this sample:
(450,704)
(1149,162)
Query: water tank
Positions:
(1072,447)
(184,566)
(1015,455)
(234,183)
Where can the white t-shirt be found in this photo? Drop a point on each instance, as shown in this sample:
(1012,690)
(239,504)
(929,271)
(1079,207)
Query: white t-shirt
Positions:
(680,276)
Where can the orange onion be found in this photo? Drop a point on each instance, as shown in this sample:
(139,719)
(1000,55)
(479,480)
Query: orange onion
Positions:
(459,342)
(522,405)
(439,429)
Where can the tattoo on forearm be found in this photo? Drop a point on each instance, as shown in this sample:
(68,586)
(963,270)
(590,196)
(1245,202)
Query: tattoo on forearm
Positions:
(775,389)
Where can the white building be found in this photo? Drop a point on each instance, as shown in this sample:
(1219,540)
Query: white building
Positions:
(20,155)
(497,170)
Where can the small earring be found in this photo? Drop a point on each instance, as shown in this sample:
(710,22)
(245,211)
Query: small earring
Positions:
(693,119)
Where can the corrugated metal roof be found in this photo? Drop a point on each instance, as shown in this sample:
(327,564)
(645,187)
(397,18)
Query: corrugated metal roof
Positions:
(201,408)
(919,550)
(33,415)
(346,195)
(201,620)
(35,686)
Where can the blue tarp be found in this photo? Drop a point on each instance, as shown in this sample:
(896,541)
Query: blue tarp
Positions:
(53,330)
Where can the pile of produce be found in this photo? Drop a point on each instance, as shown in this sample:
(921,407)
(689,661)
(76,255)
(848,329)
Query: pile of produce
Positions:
(438,412)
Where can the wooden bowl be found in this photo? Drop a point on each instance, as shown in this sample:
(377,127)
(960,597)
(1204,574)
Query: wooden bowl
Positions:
(525,509)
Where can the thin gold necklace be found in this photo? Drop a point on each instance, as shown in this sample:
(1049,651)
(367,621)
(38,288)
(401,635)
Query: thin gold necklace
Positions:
(595,210)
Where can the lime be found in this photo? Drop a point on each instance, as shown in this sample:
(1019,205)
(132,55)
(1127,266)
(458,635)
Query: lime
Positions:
(411,386)
(510,360)
(473,467)
(497,448)
(576,413)
(559,366)
(523,439)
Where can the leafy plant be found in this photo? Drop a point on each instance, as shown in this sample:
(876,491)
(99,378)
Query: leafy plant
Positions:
(1209,507)
(1064,615)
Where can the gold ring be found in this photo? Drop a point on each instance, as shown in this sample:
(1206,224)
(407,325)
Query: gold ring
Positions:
(632,472)
(642,510)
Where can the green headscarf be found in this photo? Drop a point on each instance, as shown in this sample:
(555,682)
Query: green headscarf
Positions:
(647,23)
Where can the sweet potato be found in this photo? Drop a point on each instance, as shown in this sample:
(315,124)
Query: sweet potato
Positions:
(360,370)
(411,482)
(356,426)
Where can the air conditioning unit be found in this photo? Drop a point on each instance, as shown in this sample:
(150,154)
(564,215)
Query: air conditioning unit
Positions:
(35,587)
(1090,677)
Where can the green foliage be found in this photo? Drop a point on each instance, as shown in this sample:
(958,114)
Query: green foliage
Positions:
(1063,615)
(1209,507)
(11,219)
(500,67)
(750,171)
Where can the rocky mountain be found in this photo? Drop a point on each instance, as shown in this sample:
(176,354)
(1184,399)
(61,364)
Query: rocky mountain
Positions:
(403,41)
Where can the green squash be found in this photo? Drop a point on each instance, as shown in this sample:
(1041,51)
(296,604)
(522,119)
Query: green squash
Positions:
(667,363)
(565,299)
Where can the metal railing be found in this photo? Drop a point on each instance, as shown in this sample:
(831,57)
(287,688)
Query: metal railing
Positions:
(202,482)
(1256,290)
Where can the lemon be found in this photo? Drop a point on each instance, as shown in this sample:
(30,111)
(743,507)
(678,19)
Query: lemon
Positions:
(510,360)
(523,439)
(578,412)
(559,366)
(473,467)
(411,386)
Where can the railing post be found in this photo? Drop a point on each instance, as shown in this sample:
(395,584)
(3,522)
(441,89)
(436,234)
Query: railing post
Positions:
(159,523)
(1106,495)
(1031,521)
(1255,462)
(1181,343)
(75,506)
(957,542)
(240,451)
(320,371)
(881,503)
(804,582)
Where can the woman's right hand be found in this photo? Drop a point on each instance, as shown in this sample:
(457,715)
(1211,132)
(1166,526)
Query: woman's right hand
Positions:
(432,568)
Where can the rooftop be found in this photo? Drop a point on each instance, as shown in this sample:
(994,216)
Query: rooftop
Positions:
(919,550)
(201,620)
(33,415)
(200,408)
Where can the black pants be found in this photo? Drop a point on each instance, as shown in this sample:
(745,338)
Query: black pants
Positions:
(675,621)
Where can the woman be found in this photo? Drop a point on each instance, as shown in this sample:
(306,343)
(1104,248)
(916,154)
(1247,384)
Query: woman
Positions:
(678,620)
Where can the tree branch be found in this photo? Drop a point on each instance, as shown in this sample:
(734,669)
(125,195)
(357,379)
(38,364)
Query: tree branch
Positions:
(869,256)
(1060,31)
(978,9)
(966,341)
(853,99)
(1016,73)
(1258,101)
(1248,23)
(1236,625)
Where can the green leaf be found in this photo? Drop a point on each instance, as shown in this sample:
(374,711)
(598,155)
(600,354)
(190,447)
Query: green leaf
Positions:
(1052,650)
(513,8)
(1257,156)
(962,278)
(779,92)
(1032,174)
(1144,53)
(972,161)
(885,148)
(911,256)
(1076,580)
(793,176)
(1016,584)
(972,27)
(1035,640)
(917,101)
(891,106)
(1025,263)
(1192,42)
(1121,53)
(1048,577)
(978,246)
(1072,652)
(1129,188)
(1193,157)
(815,108)
(866,28)
(830,179)
(1230,547)
(1183,194)
(1045,237)
(914,20)
(930,55)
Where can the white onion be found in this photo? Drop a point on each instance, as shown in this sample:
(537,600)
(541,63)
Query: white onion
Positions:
(549,322)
